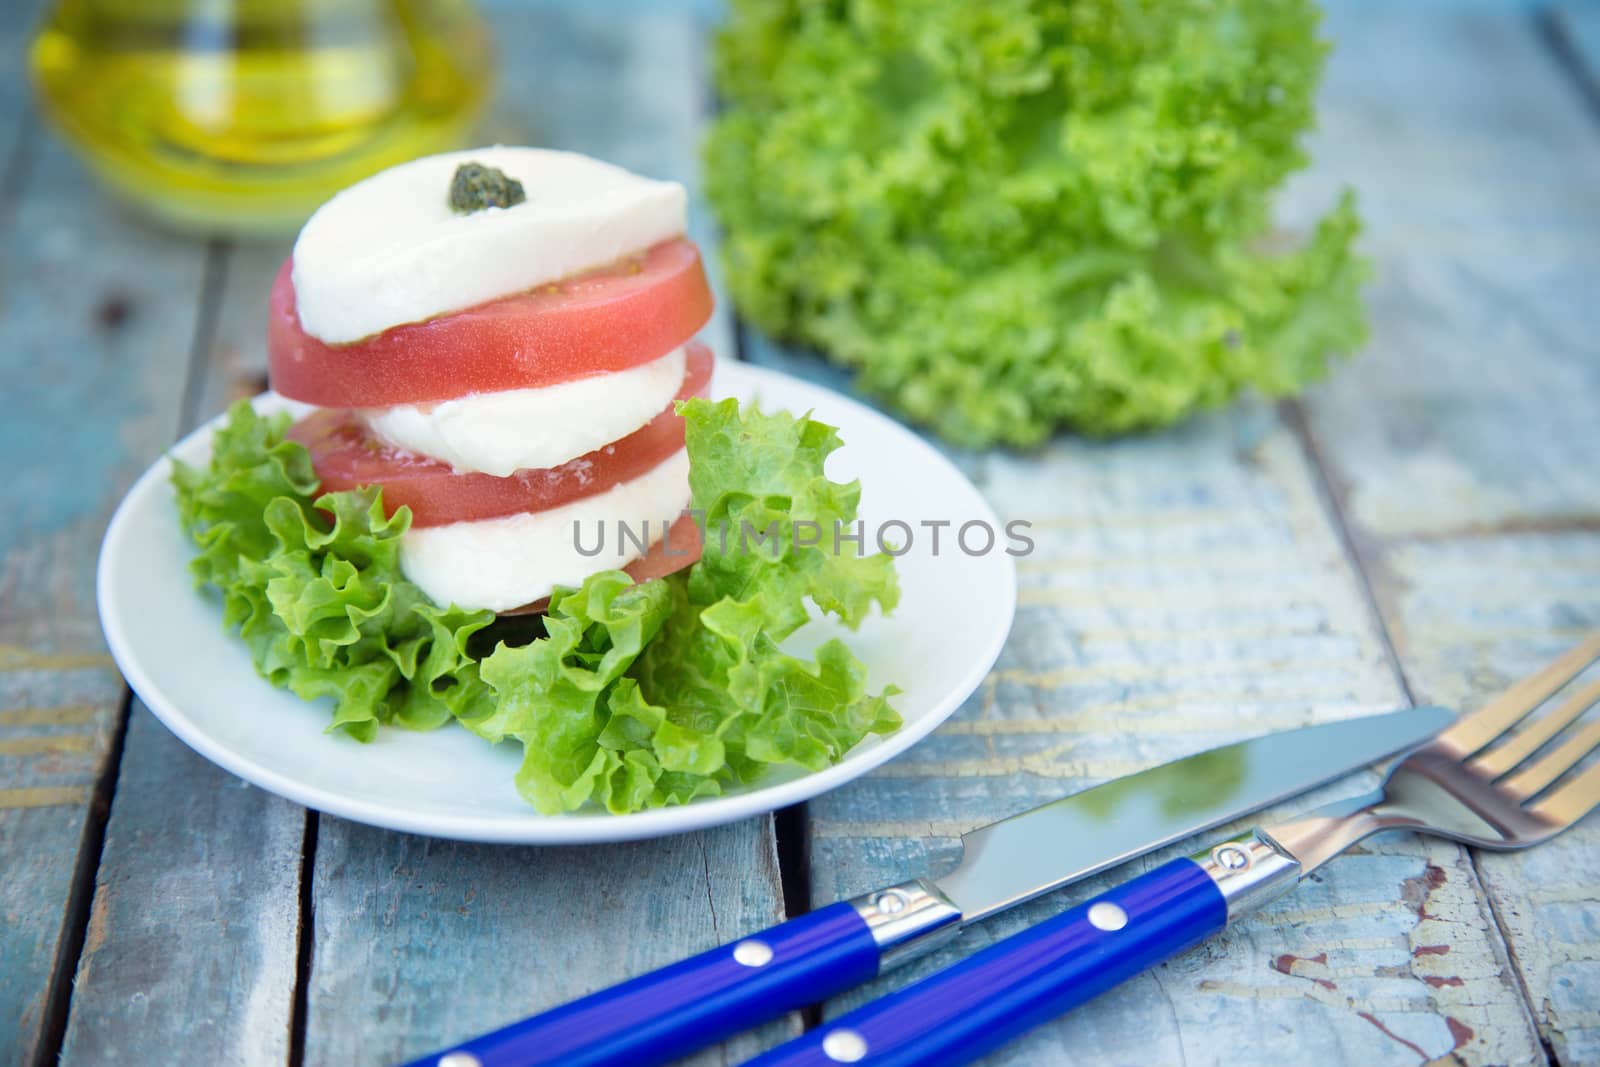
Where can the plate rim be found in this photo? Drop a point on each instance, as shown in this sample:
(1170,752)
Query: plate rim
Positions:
(535,828)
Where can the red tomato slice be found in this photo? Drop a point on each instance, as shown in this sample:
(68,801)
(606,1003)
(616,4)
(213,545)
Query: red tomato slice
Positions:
(606,320)
(685,544)
(346,457)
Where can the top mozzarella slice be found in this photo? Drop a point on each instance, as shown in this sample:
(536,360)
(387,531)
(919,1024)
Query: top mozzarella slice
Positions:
(389,250)
(517,429)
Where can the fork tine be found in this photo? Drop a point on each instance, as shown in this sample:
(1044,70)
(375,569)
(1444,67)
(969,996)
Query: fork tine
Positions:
(1573,800)
(1532,738)
(1538,776)
(1471,733)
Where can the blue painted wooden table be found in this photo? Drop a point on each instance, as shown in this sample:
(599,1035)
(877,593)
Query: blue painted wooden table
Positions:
(1424,527)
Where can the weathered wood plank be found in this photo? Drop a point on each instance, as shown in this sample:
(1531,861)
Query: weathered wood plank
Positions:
(193,938)
(1462,445)
(422,943)
(98,317)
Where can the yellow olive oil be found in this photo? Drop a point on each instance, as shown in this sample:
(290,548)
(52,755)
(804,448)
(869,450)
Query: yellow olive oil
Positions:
(244,115)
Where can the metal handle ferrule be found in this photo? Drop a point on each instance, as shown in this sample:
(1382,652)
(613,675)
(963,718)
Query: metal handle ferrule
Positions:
(907,920)
(1250,871)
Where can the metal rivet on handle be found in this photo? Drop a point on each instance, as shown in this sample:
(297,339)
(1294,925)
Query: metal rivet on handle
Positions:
(459,1059)
(844,1046)
(752,953)
(890,902)
(1107,916)
(1231,857)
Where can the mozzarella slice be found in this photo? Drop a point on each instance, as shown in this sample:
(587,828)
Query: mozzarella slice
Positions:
(507,562)
(501,433)
(389,250)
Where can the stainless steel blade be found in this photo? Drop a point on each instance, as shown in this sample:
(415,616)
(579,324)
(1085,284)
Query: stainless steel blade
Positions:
(1025,855)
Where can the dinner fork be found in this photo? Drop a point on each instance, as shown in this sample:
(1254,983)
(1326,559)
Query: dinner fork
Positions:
(1500,778)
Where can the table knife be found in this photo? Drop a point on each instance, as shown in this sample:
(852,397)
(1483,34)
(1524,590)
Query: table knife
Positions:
(667,1013)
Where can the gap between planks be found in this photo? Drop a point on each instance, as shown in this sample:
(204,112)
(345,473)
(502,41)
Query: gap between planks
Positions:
(1556,27)
(1295,416)
(305,947)
(80,900)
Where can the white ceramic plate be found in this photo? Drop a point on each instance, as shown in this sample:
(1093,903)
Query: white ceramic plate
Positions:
(954,614)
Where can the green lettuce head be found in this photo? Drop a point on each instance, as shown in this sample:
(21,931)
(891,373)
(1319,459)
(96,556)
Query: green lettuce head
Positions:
(1020,215)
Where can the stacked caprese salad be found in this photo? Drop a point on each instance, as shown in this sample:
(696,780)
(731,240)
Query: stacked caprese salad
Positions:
(497,351)
(508,373)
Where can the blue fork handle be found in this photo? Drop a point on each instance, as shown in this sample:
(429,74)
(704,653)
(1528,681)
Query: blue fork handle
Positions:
(975,1006)
(662,1015)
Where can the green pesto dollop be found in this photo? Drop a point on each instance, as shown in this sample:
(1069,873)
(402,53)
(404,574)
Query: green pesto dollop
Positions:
(476,187)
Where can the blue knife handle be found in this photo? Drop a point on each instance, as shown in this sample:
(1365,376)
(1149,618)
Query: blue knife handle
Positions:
(662,1015)
(975,1006)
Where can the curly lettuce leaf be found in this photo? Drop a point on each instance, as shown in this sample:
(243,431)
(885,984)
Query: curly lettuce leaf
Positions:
(627,695)
(1016,216)
(653,694)
(313,584)
(758,473)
